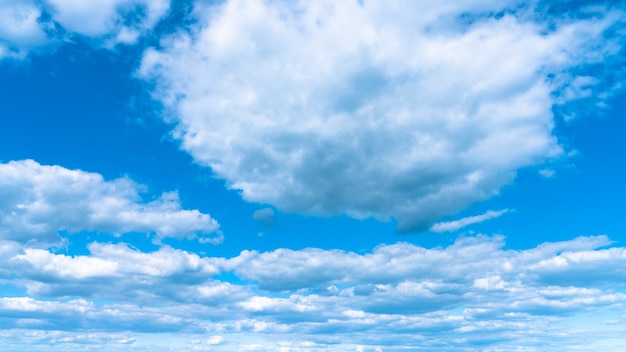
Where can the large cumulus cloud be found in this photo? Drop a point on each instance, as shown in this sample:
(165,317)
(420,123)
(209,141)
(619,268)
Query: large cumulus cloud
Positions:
(399,109)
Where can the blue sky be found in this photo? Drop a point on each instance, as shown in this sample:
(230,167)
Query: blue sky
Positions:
(312,175)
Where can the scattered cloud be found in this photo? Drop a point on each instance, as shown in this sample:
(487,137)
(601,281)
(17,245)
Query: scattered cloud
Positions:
(27,24)
(547,173)
(39,201)
(215,340)
(455,225)
(265,216)
(119,21)
(409,110)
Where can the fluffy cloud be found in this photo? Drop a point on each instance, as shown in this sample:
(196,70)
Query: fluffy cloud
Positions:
(38,201)
(27,24)
(467,260)
(399,109)
(265,216)
(113,261)
(121,20)
(113,271)
(396,297)
(20,29)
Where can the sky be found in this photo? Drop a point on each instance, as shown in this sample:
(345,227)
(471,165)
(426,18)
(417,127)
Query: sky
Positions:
(195,175)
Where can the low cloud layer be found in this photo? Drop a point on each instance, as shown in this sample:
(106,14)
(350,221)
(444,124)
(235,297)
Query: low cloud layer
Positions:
(39,201)
(400,110)
(395,297)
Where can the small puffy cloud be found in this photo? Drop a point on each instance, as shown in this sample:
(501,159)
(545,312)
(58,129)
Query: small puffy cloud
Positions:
(547,173)
(265,216)
(38,201)
(403,109)
(449,226)
(215,340)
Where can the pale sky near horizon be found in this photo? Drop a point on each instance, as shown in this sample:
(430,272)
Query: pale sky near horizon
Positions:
(278,175)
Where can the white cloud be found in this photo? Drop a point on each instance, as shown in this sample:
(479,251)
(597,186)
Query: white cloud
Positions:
(108,260)
(61,315)
(407,268)
(29,340)
(113,271)
(449,226)
(38,201)
(19,27)
(121,20)
(400,109)
(397,297)
(215,340)
(27,24)
(285,269)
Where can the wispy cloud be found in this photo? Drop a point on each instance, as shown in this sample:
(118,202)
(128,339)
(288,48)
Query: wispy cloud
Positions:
(454,225)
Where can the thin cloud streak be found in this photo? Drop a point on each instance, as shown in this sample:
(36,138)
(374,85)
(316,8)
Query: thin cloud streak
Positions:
(455,225)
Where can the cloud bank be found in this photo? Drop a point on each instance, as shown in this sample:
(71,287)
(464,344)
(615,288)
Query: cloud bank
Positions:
(38,201)
(468,295)
(400,109)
